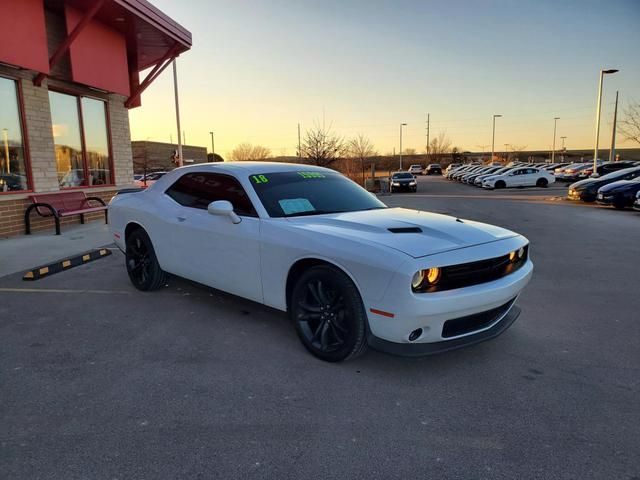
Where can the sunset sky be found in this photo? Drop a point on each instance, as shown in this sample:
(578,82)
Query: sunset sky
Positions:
(257,68)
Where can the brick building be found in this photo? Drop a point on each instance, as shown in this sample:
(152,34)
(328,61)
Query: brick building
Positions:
(69,72)
(155,156)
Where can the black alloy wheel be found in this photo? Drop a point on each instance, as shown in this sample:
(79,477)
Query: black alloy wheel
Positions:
(542,182)
(142,265)
(328,314)
(500,184)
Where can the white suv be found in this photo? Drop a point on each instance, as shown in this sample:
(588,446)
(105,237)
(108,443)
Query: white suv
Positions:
(416,169)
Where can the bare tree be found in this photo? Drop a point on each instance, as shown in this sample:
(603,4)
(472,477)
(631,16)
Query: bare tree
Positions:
(246,151)
(321,146)
(630,125)
(361,148)
(409,151)
(439,145)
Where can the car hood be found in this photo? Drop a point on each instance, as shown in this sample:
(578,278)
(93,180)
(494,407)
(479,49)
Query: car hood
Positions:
(583,184)
(429,233)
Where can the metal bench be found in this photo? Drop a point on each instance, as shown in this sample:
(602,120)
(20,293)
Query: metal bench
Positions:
(59,205)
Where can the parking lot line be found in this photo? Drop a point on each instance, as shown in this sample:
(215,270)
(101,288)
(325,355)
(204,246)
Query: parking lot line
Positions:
(58,290)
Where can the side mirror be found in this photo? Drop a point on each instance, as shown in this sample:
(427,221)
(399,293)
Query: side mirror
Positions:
(223,208)
(414,177)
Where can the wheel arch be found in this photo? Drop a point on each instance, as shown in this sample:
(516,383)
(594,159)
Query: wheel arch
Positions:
(131,227)
(303,264)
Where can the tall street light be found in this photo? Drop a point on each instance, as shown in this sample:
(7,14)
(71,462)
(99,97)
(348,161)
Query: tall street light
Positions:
(553,151)
(401,125)
(493,137)
(595,151)
(563,139)
(213,148)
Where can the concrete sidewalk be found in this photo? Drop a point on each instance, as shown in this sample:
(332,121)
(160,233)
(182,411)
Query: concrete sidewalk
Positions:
(27,251)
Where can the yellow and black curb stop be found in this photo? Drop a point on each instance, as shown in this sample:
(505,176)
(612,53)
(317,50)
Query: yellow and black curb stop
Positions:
(62,265)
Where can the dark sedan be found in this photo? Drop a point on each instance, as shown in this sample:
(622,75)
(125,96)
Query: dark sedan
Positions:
(587,190)
(433,169)
(620,194)
(403,181)
(607,167)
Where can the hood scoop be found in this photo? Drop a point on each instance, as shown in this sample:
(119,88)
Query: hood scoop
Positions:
(405,230)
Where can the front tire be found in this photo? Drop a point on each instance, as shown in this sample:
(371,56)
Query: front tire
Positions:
(142,264)
(328,314)
(500,184)
(542,182)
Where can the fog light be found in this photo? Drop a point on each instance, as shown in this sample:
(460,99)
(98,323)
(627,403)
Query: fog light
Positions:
(415,334)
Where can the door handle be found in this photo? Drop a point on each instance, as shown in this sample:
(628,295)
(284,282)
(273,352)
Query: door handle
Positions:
(181,219)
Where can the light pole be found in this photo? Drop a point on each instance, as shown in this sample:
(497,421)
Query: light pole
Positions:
(401,125)
(553,151)
(213,148)
(493,138)
(506,151)
(563,139)
(612,150)
(175,91)
(599,107)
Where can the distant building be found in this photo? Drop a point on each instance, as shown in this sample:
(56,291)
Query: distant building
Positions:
(156,156)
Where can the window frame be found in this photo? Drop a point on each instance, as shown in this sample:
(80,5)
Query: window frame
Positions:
(107,117)
(226,175)
(25,137)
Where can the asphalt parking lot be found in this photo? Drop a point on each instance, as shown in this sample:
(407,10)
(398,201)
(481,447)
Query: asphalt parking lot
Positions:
(99,381)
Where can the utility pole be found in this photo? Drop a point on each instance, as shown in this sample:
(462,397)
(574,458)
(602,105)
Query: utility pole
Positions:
(493,138)
(401,125)
(506,151)
(175,90)
(563,139)
(598,109)
(428,126)
(213,148)
(553,151)
(299,146)
(612,151)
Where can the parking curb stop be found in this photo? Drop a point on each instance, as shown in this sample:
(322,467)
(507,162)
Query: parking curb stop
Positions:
(65,264)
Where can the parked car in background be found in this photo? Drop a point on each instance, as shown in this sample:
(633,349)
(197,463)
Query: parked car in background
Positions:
(452,166)
(461,173)
(470,177)
(587,189)
(137,176)
(349,271)
(403,181)
(572,172)
(519,177)
(149,179)
(433,169)
(605,168)
(416,169)
(478,180)
(620,194)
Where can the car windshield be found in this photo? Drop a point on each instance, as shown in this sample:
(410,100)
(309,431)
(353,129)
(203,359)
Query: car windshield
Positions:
(402,175)
(619,173)
(297,193)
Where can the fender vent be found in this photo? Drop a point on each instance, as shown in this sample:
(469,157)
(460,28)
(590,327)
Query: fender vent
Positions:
(405,230)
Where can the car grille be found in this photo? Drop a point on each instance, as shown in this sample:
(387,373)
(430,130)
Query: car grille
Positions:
(477,321)
(474,273)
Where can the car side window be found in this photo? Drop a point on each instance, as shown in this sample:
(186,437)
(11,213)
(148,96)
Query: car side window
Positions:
(199,189)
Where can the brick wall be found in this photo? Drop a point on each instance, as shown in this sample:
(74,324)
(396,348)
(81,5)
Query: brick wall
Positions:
(12,216)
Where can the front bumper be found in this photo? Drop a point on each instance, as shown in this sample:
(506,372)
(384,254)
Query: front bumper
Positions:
(422,349)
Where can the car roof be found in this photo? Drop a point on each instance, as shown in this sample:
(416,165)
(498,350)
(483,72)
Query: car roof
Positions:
(254,167)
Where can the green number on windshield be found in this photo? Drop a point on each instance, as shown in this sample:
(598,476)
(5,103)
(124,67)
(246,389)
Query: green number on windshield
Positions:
(259,179)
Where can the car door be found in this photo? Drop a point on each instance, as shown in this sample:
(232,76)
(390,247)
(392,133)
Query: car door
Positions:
(530,177)
(514,179)
(211,249)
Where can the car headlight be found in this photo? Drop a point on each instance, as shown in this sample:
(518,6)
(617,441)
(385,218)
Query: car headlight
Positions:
(396,184)
(516,255)
(425,278)
(412,183)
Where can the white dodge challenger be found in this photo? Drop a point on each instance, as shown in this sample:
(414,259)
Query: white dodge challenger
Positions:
(349,271)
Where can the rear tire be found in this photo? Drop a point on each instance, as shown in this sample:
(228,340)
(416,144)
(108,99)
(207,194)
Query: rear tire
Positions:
(328,314)
(542,182)
(500,184)
(142,264)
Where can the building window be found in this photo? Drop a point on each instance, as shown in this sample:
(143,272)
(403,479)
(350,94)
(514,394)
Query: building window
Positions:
(13,167)
(81,140)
